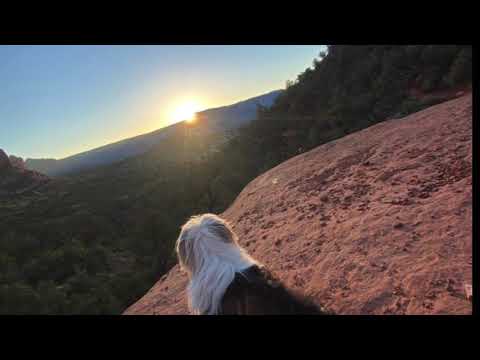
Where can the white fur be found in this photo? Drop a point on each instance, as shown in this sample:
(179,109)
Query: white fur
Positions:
(210,261)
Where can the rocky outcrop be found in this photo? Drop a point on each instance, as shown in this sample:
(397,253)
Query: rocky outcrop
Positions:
(377,222)
(4,161)
(17,162)
(15,179)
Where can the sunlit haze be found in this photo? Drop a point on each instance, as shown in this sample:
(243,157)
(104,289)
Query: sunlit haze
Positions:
(57,101)
(186,111)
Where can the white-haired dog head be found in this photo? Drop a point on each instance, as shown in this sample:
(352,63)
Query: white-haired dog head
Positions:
(208,251)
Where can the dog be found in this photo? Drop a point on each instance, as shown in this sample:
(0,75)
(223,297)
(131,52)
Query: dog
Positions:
(225,280)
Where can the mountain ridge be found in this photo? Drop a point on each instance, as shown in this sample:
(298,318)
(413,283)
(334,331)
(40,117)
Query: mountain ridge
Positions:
(222,118)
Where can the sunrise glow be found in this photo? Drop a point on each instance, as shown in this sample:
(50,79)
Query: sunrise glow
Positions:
(186,111)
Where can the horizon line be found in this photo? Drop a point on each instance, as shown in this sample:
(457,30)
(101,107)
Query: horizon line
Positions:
(138,135)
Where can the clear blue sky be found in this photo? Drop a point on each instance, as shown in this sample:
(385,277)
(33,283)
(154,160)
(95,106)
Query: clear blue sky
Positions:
(56,101)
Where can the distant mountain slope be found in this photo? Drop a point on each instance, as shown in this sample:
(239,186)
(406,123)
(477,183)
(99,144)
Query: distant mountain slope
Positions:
(100,156)
(377,222)
(238,114)
(217,119)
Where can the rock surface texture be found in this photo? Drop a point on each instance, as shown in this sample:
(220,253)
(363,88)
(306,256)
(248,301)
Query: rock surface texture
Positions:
(377,222)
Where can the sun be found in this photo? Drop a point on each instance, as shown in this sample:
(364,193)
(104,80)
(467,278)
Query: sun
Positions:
(186,111)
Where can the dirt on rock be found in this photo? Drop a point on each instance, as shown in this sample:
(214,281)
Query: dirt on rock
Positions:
(377,222)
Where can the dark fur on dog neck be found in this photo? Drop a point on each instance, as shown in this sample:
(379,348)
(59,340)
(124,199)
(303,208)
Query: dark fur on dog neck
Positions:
(256,292)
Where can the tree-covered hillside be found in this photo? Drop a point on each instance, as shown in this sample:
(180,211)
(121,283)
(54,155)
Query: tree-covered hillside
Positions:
(351,87)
